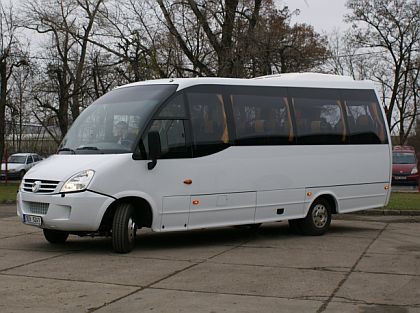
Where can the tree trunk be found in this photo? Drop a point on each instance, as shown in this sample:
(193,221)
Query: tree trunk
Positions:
(3,90)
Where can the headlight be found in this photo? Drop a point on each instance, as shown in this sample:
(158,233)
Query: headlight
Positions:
(414,170)
(78,182)
(12,170)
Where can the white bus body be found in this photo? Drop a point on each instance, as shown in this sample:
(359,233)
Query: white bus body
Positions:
(229,152)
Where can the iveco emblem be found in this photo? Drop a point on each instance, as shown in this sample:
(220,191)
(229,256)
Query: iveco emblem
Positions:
(36,186)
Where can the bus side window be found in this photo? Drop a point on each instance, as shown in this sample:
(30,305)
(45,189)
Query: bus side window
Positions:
(262,118)
(209,123)
(366,124)
(319,117)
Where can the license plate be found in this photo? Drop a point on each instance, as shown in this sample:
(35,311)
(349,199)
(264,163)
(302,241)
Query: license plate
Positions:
(32,220)
(400,178)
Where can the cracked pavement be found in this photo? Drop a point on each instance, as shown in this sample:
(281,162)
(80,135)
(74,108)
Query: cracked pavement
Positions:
(364,264)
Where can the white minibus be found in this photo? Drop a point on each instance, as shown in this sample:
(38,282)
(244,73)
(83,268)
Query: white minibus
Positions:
(181,154)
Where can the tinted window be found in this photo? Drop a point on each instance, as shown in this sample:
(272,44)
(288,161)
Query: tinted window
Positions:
(364,117)
(319,116)
(208,121)
(262,119)
(171,125)
(29,160)
(175,108)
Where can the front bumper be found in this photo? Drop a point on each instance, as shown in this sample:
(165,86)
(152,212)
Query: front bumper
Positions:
(82,211)
(405,179)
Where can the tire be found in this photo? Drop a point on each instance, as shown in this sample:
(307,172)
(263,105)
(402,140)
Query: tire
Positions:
(124,229)
(294,226)
(318,220)
(55,236)
(21,174)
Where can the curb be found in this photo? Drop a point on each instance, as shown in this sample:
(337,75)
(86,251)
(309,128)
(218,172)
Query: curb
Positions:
(378,212)
(7,202)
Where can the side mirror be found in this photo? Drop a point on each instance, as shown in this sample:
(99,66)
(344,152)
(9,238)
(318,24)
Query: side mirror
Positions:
(154,148)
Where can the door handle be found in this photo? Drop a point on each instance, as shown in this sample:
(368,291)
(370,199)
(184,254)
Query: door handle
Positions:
(188,182)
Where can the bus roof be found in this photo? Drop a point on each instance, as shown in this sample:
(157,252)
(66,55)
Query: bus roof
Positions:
(309,80)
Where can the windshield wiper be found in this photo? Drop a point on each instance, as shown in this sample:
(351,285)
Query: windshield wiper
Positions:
(66,150)
(87,148)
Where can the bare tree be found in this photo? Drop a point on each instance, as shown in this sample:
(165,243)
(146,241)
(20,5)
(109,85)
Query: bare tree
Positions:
(346,59)
(69,24)
(19,96)
(392,30)
(10,58)
(246,38)
(128,30)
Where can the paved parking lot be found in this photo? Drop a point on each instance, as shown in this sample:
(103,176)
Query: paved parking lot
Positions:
(364,264)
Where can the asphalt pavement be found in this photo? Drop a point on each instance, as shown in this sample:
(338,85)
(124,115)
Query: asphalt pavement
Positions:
(365,264)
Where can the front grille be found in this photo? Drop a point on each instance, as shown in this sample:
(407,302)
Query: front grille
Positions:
(45,186)
(37,207)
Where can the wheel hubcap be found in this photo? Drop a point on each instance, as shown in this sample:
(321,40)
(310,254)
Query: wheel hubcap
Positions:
(132,228)
(320,215)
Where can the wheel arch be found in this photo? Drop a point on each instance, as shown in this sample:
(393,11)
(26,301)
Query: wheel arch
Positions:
(142,208)
(328,196)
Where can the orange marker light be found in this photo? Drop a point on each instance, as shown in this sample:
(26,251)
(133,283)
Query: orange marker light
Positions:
(195,202)
(309,193)
(386,187)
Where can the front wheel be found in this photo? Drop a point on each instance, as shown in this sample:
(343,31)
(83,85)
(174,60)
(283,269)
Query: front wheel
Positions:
(124,229)
(21,174)
(55,236)
(317,221)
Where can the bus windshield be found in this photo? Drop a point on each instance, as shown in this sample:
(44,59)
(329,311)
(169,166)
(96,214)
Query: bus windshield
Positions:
(112,123)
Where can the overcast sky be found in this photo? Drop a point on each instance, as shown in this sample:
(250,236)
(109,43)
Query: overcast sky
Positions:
(324,15)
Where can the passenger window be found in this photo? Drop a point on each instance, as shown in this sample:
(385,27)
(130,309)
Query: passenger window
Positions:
(261,120)
(365,119)
(208,120)
(319,117)
(172,138)
(174,109)
(29,160)
(171,125)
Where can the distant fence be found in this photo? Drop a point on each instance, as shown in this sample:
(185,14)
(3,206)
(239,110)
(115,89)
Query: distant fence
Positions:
(43,147)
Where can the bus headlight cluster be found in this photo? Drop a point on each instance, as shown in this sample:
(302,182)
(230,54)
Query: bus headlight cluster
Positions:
(78,182)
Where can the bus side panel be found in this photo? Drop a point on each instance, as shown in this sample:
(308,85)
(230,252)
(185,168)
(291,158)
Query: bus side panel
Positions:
(221,209)
(351,198)
(273,205)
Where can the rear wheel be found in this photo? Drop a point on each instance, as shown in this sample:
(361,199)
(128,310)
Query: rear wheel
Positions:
(124,229)
(294,226)
(318,219)
(55,236)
